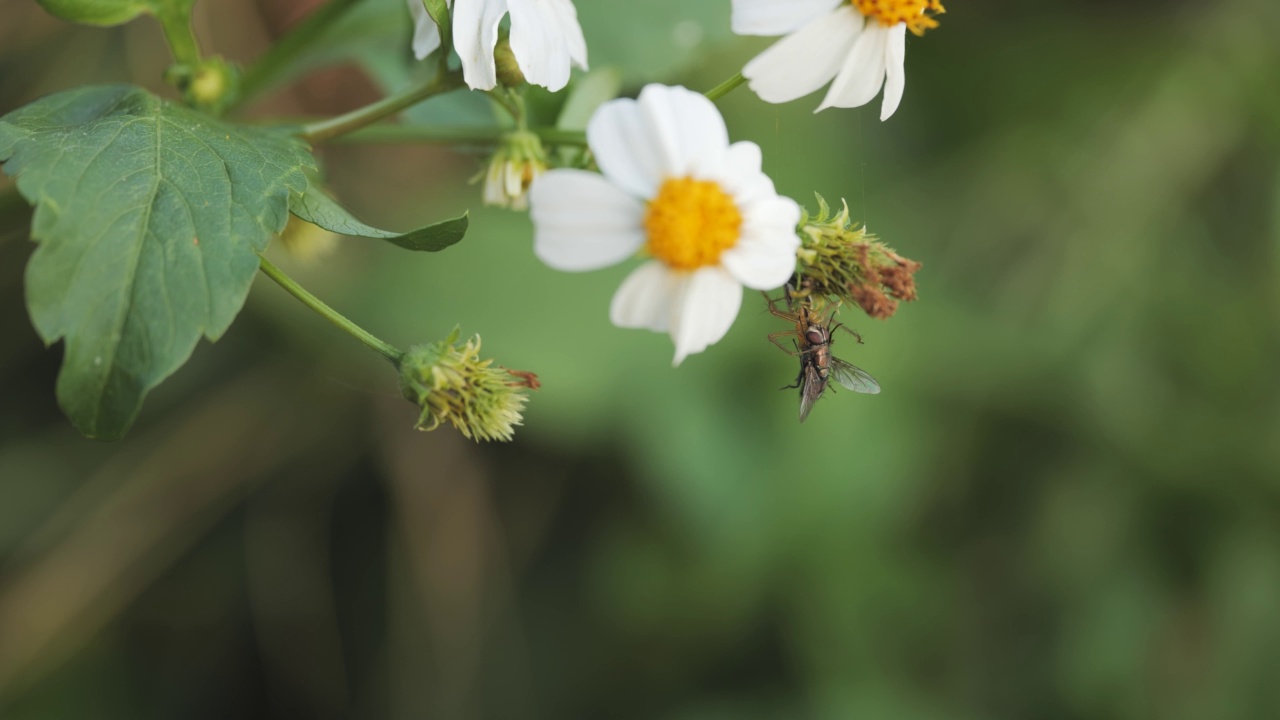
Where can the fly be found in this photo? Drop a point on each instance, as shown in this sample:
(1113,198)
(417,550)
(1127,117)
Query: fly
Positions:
(812,340)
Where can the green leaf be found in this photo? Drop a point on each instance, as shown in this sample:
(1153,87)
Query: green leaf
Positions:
(593,90)
(114,12)
(317,207)
(149,218)
(439,12)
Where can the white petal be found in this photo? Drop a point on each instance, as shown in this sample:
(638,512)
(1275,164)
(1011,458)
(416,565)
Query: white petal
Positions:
(805,60)
(763,260)
(475,34)
(759,266)
(704,309)
(777,17)
(740,175)
(540,39)
(895,59)
(667,132)
(644,299)
(863,72)
(772,213)
(567,15)
(582,222)
(765,256)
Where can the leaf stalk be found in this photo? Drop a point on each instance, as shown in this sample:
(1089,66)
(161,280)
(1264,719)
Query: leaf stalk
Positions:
(322,130)
(292,287)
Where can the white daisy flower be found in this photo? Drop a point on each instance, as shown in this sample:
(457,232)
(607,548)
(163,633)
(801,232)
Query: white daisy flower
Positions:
(862,44)
(674,187)
(545,38)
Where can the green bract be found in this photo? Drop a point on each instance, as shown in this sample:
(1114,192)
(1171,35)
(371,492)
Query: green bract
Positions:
(316,207)
(149,218)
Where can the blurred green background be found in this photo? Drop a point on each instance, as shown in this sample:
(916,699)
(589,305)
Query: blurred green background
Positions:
(1065,504)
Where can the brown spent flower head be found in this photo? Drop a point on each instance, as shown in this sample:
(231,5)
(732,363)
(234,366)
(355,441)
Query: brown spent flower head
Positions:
(844,262)
(450,382)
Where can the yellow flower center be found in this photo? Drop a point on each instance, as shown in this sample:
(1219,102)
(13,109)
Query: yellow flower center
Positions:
(917,14)
(691,222)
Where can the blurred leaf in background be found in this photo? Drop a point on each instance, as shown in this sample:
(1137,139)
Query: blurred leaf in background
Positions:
(1065,503)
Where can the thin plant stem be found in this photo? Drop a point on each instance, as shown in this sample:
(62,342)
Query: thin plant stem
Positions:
(322,130)
(503,98)
(271,67)
(460,134)
(293,288)
(723,88)
(182,40)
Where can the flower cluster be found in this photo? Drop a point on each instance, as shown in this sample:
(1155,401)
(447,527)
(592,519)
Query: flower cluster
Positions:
(662,180)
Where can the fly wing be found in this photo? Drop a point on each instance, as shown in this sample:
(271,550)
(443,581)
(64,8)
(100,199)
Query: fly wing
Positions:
(811,386)
(853,378)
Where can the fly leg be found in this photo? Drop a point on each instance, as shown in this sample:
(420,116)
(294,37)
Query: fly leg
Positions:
(846,328)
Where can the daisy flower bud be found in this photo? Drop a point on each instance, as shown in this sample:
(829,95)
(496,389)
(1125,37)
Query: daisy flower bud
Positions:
(517,162)
(858,44)
(844,261)
(674,189)
(212,85)
(305,241)
(507,68)
(545,39)
(450,382)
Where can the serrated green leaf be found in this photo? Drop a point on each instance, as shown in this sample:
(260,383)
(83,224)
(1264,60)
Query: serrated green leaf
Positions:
(315,206)
(593,90)
(149,218)
(113,12)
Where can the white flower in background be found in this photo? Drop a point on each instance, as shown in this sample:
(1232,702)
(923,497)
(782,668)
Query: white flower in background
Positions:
(674,187)
(545,38)
(862,44)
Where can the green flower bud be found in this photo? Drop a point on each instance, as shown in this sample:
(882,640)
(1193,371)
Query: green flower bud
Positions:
(212,85)
(843,261)
(305,241)
(508,70)
(450,382)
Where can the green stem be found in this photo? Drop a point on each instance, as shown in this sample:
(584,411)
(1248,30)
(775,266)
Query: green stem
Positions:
(522,117)
(723,88)
(181,38)
(293,288)
(502,97)
(271,67)
(457,134)
(386,107)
